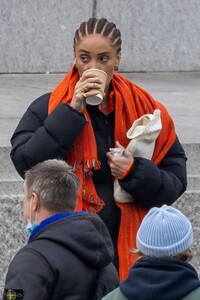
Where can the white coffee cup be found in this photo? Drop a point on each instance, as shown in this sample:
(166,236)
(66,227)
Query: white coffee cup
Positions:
(98,98)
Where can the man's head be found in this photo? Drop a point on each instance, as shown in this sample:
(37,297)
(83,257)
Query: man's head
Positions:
(49,187)
(164,232)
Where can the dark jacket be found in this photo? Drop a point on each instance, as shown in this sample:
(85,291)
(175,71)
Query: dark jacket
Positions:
(39,137)
(67,257)
(160,279)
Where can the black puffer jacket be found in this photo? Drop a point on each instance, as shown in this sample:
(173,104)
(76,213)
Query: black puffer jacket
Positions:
(39,137)
(68,259)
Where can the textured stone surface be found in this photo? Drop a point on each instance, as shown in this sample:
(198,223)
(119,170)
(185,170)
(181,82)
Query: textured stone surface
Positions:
(157,35)
(13,236)
(38,37)
(7,171)
(189,204)
(11,182)
(12,233)
(179,92)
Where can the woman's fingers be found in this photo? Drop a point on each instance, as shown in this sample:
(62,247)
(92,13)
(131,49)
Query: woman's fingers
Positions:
(119,162)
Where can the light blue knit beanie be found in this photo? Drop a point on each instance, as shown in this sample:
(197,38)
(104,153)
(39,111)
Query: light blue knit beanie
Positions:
(163,232)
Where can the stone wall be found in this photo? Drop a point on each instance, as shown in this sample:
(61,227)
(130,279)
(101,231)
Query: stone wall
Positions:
(12,230)
(37,36)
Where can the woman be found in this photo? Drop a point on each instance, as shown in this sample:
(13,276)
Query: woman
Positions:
(61,125)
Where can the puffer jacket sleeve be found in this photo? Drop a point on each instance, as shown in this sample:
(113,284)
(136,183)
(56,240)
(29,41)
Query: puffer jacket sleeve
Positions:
(30,275)
(155,185)
(40,136)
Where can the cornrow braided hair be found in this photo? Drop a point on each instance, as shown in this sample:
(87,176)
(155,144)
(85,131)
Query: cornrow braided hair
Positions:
(99,26)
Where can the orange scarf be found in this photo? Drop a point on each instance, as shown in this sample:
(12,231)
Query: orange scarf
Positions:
(131,102)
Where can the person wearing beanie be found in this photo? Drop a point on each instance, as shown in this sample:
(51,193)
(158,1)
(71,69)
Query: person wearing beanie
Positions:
(162,272)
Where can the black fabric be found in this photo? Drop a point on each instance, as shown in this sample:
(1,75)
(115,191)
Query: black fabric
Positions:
(153,185)
(69,259)
(104,133)
(39,137)
(102,284)
(160,278)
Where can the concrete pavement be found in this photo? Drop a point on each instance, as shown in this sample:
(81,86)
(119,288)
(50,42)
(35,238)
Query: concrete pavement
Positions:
(179,92)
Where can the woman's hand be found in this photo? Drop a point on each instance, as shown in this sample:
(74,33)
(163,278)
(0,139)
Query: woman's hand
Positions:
(119,164)
(82,90)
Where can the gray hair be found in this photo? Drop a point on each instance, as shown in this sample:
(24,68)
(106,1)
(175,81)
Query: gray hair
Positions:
(55,183)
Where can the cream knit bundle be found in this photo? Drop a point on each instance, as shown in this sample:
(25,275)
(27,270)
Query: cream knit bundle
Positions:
(143,134)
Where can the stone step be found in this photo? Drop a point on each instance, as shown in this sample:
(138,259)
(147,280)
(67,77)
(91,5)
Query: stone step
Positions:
(15,187)
(13,235)
(192,150)
(11,183)
(11,188)
(193,182)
